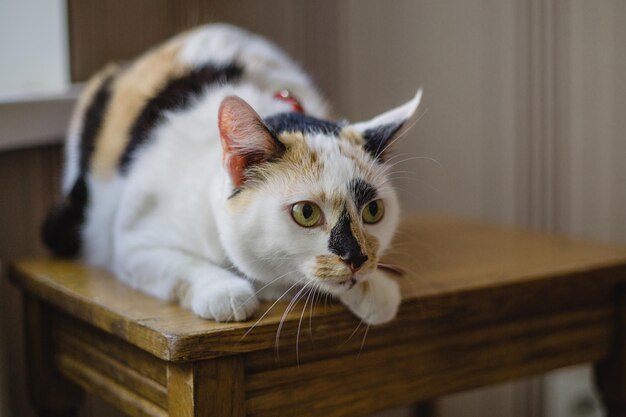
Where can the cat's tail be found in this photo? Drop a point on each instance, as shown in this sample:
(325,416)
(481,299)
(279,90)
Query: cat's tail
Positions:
(61,231)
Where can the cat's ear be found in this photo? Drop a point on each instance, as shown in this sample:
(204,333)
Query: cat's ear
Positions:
(245,139)
(380,132)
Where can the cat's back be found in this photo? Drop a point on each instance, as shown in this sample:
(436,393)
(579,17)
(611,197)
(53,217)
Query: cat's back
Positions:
(123,104)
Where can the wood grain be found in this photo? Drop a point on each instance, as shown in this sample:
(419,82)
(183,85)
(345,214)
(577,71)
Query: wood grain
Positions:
(49,391)
(28,184)
(71,331)
(106,388)
(74,349)
(358,382)
(207,388)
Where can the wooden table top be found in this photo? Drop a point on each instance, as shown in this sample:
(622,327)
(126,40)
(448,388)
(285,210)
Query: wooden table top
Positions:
(459,273)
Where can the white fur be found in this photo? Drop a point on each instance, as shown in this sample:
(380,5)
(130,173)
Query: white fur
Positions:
(166,229)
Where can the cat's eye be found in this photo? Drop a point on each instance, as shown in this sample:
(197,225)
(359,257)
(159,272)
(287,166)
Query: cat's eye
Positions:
(373,211)
(306,213)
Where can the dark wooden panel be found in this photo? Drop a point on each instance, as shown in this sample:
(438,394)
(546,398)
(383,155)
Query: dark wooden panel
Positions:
(356,383)
(29,181)
(102,31)
(105,31)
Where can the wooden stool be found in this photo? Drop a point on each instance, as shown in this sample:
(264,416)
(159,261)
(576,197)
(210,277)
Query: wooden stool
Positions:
(482,305)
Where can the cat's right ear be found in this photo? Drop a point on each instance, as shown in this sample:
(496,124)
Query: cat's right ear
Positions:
(383,130)
(245,139)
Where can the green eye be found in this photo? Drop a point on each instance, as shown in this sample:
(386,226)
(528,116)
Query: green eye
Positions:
(306,214)
(373,212)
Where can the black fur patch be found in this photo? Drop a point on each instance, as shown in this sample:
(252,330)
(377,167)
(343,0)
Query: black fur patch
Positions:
(376,139)
(61,229)
(177,94)
(297,122)
(94,114)
(362,192)
(343,243)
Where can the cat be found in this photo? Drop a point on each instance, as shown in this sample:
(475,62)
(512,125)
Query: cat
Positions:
(206,172)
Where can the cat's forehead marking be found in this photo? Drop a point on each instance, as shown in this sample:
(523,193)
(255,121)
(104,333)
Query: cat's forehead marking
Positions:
(334,199)
(300,159)
(321,146)
(331,171)
(298,122)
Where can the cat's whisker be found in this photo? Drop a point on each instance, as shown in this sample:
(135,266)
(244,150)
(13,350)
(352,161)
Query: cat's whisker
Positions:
(358,326)
(387,169)
(363,341)
(270,307)
(290,306)
(267,285)
(393,174)
(311,306)
(317,299)
(300,325)
(415,158)
(383,169)
(396,156)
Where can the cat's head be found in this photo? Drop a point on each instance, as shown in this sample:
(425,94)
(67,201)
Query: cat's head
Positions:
(311,201)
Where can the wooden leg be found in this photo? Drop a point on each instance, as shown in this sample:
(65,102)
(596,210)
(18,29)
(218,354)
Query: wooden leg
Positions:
(610,374)
(206,388)
(423,409)
(51,394)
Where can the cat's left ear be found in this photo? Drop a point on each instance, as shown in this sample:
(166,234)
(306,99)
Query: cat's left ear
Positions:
(246,141)
(382,130)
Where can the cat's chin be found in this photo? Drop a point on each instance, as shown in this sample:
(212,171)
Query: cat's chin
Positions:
(340,287)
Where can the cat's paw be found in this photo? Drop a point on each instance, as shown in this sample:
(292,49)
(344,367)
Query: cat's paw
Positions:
(225,300)
(375,300)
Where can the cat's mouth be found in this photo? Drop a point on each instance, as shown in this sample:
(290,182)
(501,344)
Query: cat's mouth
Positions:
(339,283)
(351,282)
(333,274)
(346,282)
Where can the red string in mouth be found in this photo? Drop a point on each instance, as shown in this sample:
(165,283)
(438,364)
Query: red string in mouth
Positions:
(391,268)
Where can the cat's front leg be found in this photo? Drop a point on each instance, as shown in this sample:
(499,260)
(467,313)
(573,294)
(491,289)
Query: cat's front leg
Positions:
(208,290)
(374,300)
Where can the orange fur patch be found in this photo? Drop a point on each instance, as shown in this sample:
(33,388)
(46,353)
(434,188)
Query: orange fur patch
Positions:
(88,94)
(352,136)
(331,268)
(130,91)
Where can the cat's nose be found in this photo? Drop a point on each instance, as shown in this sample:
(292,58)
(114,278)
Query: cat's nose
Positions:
(355,262)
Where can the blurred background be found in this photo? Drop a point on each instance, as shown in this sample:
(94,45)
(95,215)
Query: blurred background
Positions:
(524,114)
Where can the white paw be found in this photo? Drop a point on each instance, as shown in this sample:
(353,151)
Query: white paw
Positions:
(375,300)
(225,300)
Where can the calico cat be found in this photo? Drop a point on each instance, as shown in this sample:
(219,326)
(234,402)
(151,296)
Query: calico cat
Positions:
(207,172)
